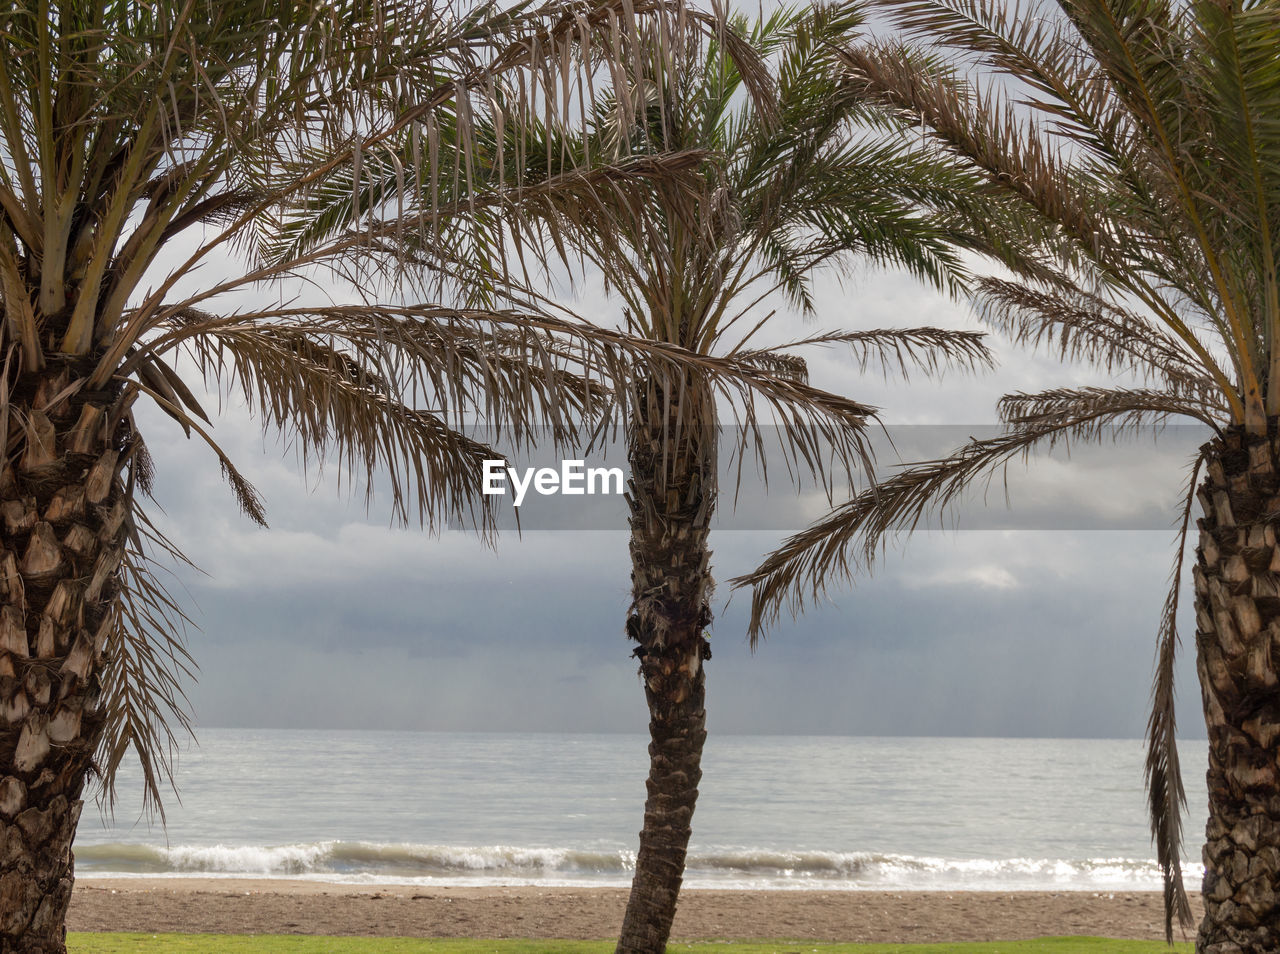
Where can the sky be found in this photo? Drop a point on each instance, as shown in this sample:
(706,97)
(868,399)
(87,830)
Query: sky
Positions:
(1035,619)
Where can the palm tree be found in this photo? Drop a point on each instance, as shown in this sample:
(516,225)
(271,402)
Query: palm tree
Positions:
(786,189)
(1140,143)
(274,145)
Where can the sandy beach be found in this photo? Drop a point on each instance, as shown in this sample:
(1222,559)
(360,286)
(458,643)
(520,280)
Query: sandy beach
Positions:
(309,907)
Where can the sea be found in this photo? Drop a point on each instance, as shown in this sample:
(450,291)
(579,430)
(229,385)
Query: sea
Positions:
(804,813)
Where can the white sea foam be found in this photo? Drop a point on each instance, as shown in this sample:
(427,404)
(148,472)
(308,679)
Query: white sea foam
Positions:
(495,864)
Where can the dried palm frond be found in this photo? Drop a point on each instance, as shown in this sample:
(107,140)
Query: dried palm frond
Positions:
(1166,797)
(901,349)
(530,375)
(789,367)
(853,534)
(1076,325)
(1093,414)
(143,702)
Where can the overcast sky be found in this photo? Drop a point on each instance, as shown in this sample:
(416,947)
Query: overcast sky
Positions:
(333,619)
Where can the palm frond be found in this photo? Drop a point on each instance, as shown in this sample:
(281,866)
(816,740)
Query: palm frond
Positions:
(1091,413)
(144,706)
(984,131)
(1076,325)
(528,374)
(900,350)
(1166,797)
(1140,133)
(789,367)
(851,537)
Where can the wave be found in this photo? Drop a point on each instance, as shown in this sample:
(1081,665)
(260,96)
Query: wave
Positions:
(504,864)
(338,857)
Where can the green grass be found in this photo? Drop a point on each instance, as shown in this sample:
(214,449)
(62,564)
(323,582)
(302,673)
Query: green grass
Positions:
(298,944)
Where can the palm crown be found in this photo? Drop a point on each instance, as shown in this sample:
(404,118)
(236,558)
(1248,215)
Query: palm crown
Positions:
(787,188)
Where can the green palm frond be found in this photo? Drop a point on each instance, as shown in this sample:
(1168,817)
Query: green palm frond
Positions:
(1144,134)
(986,132)
(267,117)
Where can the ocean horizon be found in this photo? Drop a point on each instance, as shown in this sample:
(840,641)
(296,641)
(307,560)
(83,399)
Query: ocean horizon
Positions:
(791,812)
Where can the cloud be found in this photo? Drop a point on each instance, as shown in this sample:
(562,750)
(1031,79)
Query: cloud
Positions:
(983,575)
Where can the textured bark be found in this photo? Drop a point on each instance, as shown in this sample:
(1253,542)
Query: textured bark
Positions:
(1238,646)
(672,498)
(63,535)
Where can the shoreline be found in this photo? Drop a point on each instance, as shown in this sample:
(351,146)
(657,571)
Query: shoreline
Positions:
(297,883)
(282,906)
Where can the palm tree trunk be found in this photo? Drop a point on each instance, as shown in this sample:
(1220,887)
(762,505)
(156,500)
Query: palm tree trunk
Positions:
(64,515)
(1237,581)
(672,452)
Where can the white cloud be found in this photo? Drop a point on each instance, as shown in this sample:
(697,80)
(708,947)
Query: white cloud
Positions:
(987,575)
